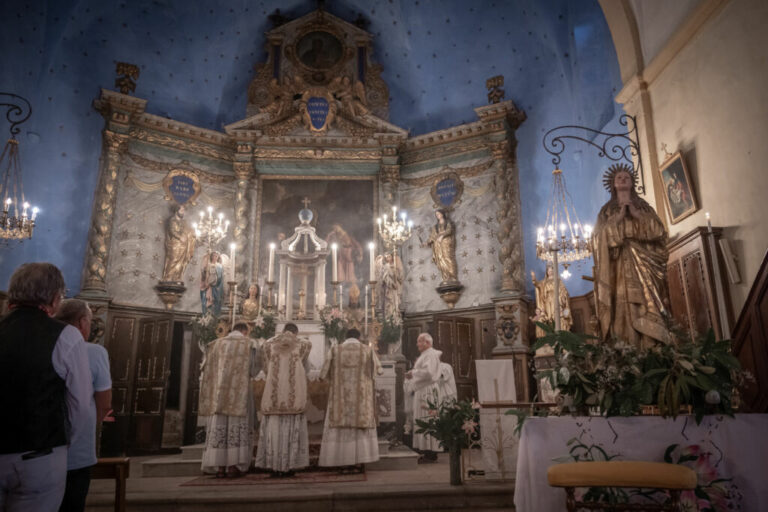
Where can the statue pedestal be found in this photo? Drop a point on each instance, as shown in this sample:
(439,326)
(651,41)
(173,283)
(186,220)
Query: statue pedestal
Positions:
(170,292)
(450,292)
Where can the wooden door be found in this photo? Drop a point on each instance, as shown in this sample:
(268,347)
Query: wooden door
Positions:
(193,393)
(454,336)
(153,352)
(120,345)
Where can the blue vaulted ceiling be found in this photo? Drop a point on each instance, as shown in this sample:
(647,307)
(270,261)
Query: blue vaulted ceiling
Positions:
(197,59)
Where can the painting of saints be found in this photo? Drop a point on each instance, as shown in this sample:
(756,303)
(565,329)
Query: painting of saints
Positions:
(350,252)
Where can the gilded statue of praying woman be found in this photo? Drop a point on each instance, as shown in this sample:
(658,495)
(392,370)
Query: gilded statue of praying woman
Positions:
(442,239)
(251,305)
(179,246)
(630,252)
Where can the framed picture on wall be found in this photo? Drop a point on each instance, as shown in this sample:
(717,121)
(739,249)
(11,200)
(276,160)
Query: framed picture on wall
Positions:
(678,188)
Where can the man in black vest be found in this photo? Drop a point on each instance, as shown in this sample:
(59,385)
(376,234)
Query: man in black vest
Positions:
(45,391)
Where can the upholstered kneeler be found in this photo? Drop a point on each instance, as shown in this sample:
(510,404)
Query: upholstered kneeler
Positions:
(646,475)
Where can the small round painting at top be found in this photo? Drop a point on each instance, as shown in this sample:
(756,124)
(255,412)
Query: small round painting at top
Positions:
(319,50)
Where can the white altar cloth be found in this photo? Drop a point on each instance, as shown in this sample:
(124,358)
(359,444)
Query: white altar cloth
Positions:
(496,383)
(737,448)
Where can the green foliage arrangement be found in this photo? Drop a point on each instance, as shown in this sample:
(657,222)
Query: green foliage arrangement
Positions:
(333,323)
(264,326)
(452,422)
(619,379)
(204,328)
(390,331)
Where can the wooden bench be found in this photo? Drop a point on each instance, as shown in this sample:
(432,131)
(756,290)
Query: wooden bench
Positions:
(634,474)
(117,468)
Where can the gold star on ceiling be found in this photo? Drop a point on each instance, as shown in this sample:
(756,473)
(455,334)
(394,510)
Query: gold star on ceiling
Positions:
(465,271)
(464,254)
(152,276)
(124,234)
(477,221)
(138,253)
(479,252)
(433,276)
(410,280)
(157,238)
(422,279)
(142,236)
(136,272)
(489,219)
(124,252)
(157,257)
(492,250)
(121,271)
(479,270)
(493,268)
(463,238)
(492,233)
(477,236)
(410,263)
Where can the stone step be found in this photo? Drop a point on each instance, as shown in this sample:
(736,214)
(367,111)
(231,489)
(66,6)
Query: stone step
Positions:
(192,451)
(188,463)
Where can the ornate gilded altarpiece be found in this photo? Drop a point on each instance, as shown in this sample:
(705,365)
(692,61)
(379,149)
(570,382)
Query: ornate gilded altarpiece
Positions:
(316,125)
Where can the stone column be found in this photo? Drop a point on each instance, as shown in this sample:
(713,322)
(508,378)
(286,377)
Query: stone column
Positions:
(511,332)
(100,235)
(243,168)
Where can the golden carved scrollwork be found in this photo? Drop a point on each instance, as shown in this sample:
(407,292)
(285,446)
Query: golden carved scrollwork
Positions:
(439,151)
(164,167)
(377,92)
(508,216)
(243,172)
(100,234)
(390,173)
(317,153)
(463,172)
(184,145)
(257,89)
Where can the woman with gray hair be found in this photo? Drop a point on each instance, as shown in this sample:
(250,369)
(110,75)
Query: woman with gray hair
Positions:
(45,385)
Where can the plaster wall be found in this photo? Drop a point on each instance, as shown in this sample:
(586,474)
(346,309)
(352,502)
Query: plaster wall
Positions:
(710,102)
(657,21)
(476,244)
(137,251)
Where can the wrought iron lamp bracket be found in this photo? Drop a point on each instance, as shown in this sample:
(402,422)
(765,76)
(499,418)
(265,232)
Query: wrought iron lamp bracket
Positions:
(614,146)
(18,111)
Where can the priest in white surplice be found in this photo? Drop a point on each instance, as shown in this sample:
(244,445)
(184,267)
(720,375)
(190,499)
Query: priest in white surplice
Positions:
(226,397)
(283,439)
(349,433)
(428,380)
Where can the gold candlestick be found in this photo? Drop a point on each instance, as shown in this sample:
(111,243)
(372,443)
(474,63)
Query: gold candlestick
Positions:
(270,287)
(373,300)
(335,286)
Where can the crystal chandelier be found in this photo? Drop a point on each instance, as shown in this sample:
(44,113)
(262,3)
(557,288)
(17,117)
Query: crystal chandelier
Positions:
(210,229)
(394,231)
(563,238)
(15,222)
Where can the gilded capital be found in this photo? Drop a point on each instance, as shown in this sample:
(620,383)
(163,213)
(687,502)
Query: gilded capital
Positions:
(115,142)
(243,170)
(390,173)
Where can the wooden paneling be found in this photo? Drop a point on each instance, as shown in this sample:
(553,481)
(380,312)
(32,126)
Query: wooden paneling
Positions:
(120,346)
(693,302)
(750,342)
(193,393)
(152,362)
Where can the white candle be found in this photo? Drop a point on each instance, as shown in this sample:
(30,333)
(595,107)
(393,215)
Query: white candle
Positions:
(366,311)
(232,257)
(271,271)
(709,223)
(372,274)
(334,263)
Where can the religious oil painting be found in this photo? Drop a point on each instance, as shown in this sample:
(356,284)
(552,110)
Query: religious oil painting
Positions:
(342,214)
(319,50)
(678,188)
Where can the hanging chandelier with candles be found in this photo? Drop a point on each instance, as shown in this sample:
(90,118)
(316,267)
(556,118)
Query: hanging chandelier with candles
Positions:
(563,238)
(394,231)
(16,223)
(210,229)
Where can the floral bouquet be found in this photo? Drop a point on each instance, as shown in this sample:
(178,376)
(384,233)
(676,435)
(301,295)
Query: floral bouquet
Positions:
(333,323)
(263,326)
(204,328)
(453,423)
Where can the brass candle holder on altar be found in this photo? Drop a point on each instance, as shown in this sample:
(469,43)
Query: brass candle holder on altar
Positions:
(232,300)
(336,298)
(270,290)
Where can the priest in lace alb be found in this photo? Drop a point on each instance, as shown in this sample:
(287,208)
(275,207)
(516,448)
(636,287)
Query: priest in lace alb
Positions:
(429,380)
(349,433)
(283,437)
(226,398)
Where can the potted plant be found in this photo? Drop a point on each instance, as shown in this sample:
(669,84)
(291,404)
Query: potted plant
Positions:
(390,331)
(204,329)
(263,326)
(454,424)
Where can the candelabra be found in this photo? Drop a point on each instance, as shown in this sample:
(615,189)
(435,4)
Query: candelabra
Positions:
(16,226)
(394,231)
(210,230)
(572,244)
